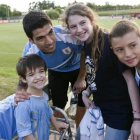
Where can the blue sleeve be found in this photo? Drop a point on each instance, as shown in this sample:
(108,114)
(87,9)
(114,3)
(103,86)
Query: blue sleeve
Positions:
(23,120)
(27,47)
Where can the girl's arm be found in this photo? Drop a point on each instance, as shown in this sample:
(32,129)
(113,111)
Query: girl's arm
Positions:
(29,137)
(80,83)
(135,100)
(86,94)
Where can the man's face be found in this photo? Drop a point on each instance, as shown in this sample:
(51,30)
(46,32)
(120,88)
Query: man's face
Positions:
(44,38)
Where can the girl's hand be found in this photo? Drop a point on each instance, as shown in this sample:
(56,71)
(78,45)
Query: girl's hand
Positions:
(87,101)
(135,131)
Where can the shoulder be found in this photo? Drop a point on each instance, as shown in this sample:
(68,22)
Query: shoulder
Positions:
(63,35)
(106,41)
(25,104)
(61,29)
(106,35)
(30,48)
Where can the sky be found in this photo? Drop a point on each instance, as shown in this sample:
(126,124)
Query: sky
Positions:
(23,5)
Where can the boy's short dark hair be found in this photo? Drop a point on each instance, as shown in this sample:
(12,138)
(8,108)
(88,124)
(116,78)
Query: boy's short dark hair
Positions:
(34,20)
(30,61)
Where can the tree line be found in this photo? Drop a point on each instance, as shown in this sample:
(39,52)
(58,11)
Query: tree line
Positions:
(55,11)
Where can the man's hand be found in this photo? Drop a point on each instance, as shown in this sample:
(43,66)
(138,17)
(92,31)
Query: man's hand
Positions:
(21,95)
(79,85)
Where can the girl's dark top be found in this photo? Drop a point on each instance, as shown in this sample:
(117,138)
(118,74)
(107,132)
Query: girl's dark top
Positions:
(112,94)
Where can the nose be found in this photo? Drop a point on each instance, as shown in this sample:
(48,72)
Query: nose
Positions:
(49,40)
(79,29)
(128,52)
(37,76)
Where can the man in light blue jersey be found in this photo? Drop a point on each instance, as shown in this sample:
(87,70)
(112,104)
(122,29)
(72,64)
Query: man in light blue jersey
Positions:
(61,52)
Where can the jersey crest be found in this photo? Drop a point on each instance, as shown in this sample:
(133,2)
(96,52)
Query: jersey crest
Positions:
(66,50)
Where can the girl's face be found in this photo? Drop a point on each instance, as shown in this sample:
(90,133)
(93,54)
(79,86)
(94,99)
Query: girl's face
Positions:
(81,27)
(127,48)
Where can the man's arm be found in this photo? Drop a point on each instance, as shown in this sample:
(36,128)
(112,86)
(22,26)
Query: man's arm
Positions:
(135,100)
(21,93)
(80,83)
(21,85)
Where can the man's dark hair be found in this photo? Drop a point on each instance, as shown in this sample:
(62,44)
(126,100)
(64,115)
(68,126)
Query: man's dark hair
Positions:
(34,20)
(30,61)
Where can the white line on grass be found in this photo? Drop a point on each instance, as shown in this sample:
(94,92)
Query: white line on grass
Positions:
(10,53)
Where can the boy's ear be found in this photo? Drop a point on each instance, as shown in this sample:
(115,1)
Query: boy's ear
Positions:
(22,79)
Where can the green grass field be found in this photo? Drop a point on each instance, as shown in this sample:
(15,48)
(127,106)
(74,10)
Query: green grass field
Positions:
(12,42)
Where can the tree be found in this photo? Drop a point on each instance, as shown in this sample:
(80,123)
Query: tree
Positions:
(52,14)
(41,5)
(16,13)
(5,11)
(59,10)
(91,5)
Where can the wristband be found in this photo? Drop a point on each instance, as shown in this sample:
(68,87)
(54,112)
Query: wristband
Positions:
(85,92)
(135,111)
(136,119)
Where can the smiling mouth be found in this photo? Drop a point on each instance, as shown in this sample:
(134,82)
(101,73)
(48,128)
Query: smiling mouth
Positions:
(130,60)
(49,46)
(38,82)
(81,34)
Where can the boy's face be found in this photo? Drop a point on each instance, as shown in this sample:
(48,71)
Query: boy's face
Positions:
(44,38)
(35,78)
(127,48)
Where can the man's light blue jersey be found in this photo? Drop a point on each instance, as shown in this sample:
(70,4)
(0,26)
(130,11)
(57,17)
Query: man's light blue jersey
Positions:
(66,56)
(33,116)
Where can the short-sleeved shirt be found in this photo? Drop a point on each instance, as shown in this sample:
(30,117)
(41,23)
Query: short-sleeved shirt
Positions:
(33,116)
(112,93)
(66,56)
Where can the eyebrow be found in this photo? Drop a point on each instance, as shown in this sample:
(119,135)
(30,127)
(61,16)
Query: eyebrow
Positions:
(29,72)
(132,42)
(51,29)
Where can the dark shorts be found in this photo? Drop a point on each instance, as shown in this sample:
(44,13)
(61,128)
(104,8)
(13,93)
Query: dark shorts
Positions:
(59,83)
